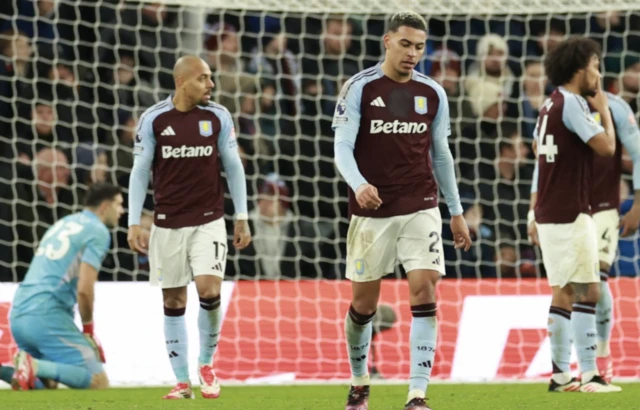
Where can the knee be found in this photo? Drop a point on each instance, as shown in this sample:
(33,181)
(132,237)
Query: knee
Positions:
(175,298)
(209,293)
(423,293)
(99,381)
(364,306)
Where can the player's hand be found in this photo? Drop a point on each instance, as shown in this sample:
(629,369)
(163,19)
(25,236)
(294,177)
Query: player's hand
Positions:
(599,101)
(460,231)
(241,235)
(367,197)
(87,331)
(532,231)
(138,239)
(629,222)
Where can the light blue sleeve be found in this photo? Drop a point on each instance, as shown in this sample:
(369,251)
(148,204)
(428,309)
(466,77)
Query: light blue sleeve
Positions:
(534,179)
(577,117)
(228,149)
(97,247)
(443,169)
(143,150)
(628,133)
(346,125)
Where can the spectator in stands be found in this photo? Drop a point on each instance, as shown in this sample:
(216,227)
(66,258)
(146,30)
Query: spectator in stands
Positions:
(548,33)
(34,18)
(44,197)
(232,82)
(150,34)
(283,246)
(42,129)
(446,70)
(627,85)
(492,53)
(477,142)
(15,55)
(277,70)
(528,96)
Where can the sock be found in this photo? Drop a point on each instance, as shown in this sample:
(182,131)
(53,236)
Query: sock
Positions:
(424,333)
(358,330)
(583,322)
(73,376)
(175,333)
(559,330)
(604,310)
(6,374)
(209,322)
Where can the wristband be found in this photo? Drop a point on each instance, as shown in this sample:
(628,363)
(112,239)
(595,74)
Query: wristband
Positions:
(87,328)
(531,216)
(242,216)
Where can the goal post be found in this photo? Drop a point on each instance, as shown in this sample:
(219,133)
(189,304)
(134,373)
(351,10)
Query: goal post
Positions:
(75,77)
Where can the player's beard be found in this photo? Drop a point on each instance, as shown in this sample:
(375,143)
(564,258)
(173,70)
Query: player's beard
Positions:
(587,89)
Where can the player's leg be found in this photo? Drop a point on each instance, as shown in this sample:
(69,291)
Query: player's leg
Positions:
(207,250)
(64,354)
(420,251)
(560,332)
(585,281)
(607,226)
(370,255)
(170,270)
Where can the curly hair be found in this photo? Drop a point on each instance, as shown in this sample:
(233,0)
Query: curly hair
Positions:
(569,57)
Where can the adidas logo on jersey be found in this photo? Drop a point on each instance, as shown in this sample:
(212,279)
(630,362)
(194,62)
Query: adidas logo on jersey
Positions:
(168,131)
(186,152)
(378,102)
(397,127)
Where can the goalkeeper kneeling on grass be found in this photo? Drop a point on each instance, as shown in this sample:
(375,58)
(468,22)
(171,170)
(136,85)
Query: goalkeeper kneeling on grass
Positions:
(64,270)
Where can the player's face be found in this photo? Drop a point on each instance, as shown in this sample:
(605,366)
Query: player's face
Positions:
(113,210)
(199,85)
(591,76)
(405,48)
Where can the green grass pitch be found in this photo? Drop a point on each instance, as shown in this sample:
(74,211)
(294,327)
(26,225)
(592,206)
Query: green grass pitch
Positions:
(328,397)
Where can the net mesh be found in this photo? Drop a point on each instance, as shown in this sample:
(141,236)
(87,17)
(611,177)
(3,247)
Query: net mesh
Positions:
(75,76)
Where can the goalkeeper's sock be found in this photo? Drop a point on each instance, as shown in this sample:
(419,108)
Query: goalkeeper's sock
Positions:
(358,330)
(209,322)
(583,322)
(603,317)
(424,333)
(75,377)
(6,373)
(559,329)
(175,333)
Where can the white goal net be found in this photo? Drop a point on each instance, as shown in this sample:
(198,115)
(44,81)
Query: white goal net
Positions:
(75,76)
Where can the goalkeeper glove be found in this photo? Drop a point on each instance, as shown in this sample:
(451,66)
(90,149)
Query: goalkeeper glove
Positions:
(87,330)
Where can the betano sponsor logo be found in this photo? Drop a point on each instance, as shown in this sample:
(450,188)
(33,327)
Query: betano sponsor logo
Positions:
(186,152)
(397,127)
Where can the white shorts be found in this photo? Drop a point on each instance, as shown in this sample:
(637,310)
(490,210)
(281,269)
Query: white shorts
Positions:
(570,251)
(374,244)
(176,256)
(607,223)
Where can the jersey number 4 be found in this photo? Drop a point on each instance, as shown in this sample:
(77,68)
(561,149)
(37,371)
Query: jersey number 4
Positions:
(62,231)
(546,144)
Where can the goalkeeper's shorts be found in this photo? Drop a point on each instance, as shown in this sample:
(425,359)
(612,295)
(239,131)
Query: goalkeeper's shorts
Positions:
(570,251)
(56,338)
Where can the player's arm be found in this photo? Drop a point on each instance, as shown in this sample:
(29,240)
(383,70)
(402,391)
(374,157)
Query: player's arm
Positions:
(143,150)
(346,125)
(94,253)
(577,118)
(445,174)
(236,180)
(629,135)
(532,230)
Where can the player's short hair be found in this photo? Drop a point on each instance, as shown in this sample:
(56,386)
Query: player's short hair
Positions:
(409,19)
(100,192)
(569,57)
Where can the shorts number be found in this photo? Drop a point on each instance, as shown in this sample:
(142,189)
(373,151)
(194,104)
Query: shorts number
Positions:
(62,232)
(432,247)
(220,247)
(605,235)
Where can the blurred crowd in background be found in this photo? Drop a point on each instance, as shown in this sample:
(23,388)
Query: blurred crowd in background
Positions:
(76,75)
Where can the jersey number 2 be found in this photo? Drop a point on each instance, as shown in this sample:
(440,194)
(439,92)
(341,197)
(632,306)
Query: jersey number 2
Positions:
(62,232)
(546,145)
